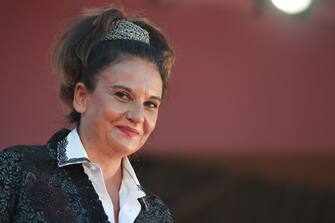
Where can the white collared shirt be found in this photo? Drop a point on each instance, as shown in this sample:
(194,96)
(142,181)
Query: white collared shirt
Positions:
(129,192)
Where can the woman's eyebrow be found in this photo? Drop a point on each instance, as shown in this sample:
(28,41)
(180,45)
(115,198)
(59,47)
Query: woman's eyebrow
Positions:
(156,98)
(117,86)
(121,87)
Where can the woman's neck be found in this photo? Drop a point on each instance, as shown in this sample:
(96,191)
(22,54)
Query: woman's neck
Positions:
(109,161)
(111,166)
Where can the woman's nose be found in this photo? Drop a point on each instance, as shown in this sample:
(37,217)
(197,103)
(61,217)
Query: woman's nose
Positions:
(136,114)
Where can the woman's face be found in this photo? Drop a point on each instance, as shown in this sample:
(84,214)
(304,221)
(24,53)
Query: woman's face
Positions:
(120,114)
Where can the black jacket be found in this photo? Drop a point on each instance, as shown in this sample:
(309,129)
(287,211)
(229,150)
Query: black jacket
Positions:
(34,189)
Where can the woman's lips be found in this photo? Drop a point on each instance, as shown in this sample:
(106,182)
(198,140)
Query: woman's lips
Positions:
(129,131)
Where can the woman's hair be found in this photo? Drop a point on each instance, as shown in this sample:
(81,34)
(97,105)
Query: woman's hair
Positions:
(82,53)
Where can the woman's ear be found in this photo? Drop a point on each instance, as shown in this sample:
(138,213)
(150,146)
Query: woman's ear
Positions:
(80,97)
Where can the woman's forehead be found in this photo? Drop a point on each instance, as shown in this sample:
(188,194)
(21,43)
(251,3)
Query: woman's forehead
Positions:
(134,73)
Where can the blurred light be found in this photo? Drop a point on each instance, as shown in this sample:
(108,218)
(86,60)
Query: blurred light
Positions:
(292,6)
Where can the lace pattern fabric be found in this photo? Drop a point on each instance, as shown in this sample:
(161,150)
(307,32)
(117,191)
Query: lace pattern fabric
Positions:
(34,189)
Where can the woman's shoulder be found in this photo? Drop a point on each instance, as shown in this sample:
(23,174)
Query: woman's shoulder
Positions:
(16,152)
(154,208)
(154,200)
(28,151)
(13,153)
(22,156)
(12,166)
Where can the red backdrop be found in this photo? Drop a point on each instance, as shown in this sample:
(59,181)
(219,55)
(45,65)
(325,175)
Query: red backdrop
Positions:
(242,82)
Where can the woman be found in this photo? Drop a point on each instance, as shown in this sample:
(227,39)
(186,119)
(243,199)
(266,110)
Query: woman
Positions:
(114,70)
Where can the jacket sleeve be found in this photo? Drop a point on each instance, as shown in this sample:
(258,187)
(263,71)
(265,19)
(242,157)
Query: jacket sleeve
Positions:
(10,174)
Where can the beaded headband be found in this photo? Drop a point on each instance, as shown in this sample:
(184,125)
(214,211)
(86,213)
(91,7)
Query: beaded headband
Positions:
(126,30)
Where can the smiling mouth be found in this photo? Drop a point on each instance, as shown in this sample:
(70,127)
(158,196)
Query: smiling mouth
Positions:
(130,132)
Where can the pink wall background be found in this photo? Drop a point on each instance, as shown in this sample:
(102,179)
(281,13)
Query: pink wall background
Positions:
(243,83)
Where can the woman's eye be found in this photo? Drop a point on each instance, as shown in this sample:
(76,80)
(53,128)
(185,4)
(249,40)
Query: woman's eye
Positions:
(150,104)
(122,95)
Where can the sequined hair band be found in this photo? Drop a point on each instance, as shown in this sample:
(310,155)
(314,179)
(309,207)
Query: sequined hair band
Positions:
(126,30)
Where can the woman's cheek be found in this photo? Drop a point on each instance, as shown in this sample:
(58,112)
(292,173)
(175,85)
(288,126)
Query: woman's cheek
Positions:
(116,109)
(151,124)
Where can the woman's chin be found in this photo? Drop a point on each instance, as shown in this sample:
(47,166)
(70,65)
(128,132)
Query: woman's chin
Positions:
(125,148)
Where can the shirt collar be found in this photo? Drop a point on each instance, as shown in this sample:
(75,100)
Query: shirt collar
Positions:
(130,183)
(71,151)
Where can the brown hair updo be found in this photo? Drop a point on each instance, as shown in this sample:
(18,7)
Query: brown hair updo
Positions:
(80,54)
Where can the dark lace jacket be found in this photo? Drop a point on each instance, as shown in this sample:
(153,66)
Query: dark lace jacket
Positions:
(34,189)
